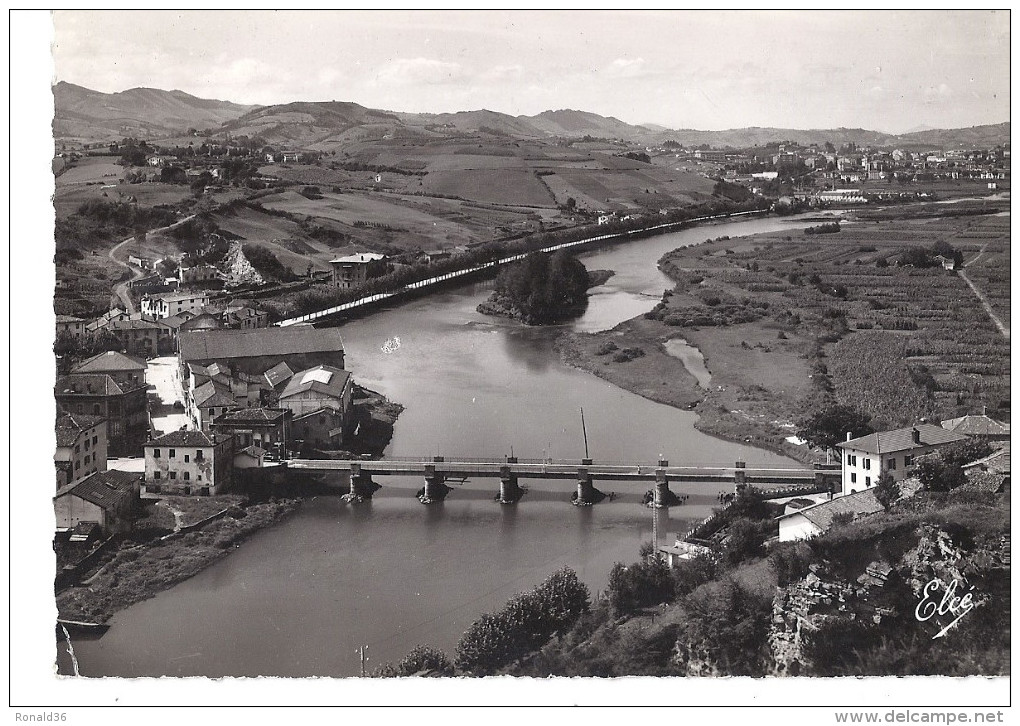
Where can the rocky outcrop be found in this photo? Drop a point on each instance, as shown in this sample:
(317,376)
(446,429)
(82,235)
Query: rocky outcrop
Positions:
(804,607)
(239,270)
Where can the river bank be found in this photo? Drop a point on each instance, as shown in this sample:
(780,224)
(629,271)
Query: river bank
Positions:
(139,571)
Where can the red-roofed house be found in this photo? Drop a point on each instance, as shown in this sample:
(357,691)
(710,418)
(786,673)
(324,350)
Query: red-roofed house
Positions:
(188,462)
(867,457)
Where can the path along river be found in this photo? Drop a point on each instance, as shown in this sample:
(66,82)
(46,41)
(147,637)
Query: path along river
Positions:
(300,598)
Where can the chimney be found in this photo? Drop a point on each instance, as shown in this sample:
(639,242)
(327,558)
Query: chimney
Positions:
(848,436)
(916,435)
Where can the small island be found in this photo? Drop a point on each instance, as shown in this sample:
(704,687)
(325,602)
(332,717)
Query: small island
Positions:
(543,289)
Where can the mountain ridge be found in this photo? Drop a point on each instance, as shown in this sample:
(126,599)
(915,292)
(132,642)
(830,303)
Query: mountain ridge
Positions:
(93,115)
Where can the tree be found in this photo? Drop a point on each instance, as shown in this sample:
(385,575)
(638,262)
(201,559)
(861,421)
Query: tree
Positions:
(936,475)
(422,660)
(571,203)
(830,425)
(887,490)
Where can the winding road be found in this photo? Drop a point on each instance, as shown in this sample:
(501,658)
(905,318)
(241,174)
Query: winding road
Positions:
(120,289)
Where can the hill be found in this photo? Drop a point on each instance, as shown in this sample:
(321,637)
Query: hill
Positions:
(572,124)
(81,113)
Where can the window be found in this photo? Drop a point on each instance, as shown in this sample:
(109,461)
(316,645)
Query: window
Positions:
(77,448)
(173,453)
(853,478)
(908,460)
(199,455)
(157,475)
(891,464)
(867,463)
(186,458)
(187,476)
(77,465)
(155,453)
(86,444)
(86,461)
(173,475)
(95,440)
(95,409)
(867,481)
(200,477)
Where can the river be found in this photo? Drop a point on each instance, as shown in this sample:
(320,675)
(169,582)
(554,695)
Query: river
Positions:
(299,598)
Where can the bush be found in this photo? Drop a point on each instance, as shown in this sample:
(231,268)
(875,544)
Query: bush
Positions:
(628,354)
(648,582)
(606,347)
(422,660)
(524,624)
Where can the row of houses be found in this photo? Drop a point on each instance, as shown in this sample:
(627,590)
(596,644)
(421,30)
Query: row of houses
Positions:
(866,458)
(155,330)
(277,389)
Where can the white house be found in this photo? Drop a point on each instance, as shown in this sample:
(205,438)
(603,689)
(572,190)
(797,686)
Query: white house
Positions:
(813,520)
(163,306)
(867,457)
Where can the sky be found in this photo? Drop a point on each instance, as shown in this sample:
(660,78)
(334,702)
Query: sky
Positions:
(889,71)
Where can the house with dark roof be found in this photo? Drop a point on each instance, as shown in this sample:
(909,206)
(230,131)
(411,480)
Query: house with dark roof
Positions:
(98,394)
(167,304)
(143,337)
(267,428)
(257,350)
(123,368)
(211,399)
(991,473)
(188,462)
(319,387)
(866,458)
(81,447)
(70,325)
(981,427)
(323,428)
(815,519)
(106,498)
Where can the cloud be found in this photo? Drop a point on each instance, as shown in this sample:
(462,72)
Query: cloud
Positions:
(941,91)
(416,71)
(626,68)
(502,73)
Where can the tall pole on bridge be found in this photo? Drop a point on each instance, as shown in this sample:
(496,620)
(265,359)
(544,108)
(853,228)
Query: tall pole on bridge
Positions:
(584,431)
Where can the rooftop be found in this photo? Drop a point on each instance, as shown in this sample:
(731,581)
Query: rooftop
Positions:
(887,442)
(252,415)
(226,344)
(976,426)
(110,360)
(359,258)
(106,489)
(70,426)
(91,384)
(187,438)
(822,514)
(326,380)
(997,462)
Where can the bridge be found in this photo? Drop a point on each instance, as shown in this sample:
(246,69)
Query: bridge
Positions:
(436,471)
(492,266)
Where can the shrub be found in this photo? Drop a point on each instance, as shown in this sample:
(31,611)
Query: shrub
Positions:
(524,624)
(645,583)
(628,354)
(606,347)
(422,660)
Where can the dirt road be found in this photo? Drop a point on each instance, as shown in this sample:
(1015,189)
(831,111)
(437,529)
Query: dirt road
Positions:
(120,289)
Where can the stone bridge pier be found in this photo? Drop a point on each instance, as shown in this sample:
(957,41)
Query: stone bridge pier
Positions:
(435,489)
(662,495)
(586,494)
(509,491)
(362,486)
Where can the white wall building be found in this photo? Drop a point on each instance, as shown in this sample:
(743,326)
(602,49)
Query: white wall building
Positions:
(867,457)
